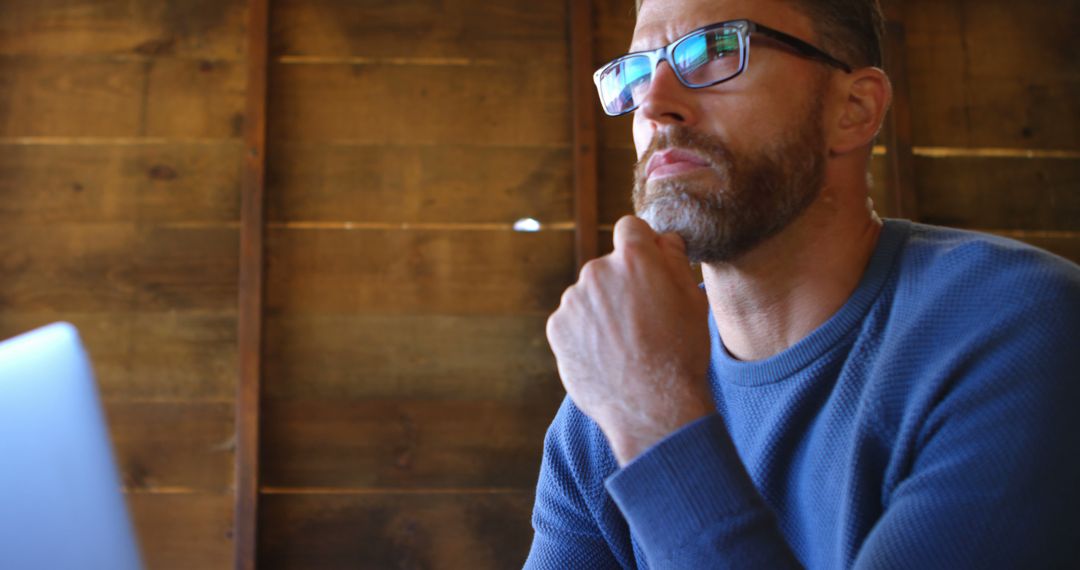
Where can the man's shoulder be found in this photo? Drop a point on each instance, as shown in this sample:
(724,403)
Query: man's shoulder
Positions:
(963,301)
(973,317)
(967,271)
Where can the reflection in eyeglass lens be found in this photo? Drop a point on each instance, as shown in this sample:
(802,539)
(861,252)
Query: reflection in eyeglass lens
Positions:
(694,53)
(623,80)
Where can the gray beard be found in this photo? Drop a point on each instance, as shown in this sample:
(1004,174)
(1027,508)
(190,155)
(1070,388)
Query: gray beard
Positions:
(750,199)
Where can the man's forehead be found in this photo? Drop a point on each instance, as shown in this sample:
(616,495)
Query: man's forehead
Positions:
(661,22)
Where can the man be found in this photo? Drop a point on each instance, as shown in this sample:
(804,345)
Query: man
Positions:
(845,391)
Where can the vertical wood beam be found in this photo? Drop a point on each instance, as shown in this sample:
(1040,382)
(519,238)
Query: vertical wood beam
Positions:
(899,162)
(252,225)
(584,126)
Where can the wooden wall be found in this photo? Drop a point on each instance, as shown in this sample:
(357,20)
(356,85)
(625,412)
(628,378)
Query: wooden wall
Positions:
(119,160)
(407,381)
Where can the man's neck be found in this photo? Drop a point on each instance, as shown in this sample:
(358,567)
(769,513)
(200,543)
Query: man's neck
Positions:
(777,294)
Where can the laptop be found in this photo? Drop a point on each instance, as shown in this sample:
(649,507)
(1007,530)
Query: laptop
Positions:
(61,504)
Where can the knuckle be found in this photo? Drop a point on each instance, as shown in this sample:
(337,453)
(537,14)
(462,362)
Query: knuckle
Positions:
(589,271)
(551,328)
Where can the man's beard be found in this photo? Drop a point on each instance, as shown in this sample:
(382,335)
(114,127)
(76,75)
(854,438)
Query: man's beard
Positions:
(748,199)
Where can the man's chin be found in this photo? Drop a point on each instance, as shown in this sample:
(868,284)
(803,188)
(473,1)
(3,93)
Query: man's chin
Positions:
(699,183)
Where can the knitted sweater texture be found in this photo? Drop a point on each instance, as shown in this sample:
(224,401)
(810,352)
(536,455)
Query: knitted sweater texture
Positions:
(932,422)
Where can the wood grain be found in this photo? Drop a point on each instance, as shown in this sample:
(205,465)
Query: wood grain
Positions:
(108,183)
(616,175)
(499,357)
(179,98)
(499,105)
(899,198)
(457,30)
(178,445)
(416,272)
(117,267)
(436,531)
(390,444)
(183,531)
(584,131)
(146,355)
(985,73)
(312,182)
(251,287)
(613,26)
(119,173)
(149,28)
(406,442)
(1000,193)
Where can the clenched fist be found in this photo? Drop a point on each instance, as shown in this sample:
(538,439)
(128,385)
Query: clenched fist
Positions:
(631,340)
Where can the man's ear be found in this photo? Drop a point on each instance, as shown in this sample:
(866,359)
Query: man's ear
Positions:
(868,95)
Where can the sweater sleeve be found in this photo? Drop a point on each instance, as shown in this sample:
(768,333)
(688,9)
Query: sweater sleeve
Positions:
(992,479)
(691,504)
(566,533)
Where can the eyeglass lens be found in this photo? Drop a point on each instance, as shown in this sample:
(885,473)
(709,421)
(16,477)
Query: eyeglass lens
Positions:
(701,59)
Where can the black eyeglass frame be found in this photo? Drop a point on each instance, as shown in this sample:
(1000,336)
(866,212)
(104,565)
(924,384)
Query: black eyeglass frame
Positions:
(746,27)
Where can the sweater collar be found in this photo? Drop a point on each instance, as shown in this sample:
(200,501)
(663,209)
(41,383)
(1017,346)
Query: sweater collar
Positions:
(781,366)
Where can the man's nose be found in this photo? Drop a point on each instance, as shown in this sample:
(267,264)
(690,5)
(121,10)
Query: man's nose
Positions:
(667,101)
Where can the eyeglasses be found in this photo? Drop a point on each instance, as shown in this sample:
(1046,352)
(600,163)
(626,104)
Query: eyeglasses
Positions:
(704,57)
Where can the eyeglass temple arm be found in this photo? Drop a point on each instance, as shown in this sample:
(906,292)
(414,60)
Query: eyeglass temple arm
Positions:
(801,46)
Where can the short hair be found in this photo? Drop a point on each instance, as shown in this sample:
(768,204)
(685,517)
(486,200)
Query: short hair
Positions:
(849,30)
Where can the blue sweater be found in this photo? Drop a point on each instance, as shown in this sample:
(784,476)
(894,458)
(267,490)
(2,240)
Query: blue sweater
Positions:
(932,422)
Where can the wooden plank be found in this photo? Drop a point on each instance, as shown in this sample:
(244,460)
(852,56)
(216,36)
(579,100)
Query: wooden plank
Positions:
(616,187)
(183,531)
(435,531)
(583,100)
(178,446)
(416,272)
(1000,193)
(312,182)
(613,28)
(148,355)
(456,30)
(616,132)
(985,73)
(499,105)
(48,97)
(900,196)
(427,357)
(251,285)
(195,99)
(118,267)
(385,444)
(94,183)
(204,29)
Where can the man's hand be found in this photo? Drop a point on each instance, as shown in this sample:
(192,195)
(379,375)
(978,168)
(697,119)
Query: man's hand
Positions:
(631,340)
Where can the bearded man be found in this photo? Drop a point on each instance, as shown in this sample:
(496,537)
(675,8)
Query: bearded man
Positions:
(845,391)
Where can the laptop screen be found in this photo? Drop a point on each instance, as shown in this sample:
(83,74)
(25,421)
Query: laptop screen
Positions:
(61,504)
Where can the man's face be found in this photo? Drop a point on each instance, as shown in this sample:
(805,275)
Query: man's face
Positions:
(728,166)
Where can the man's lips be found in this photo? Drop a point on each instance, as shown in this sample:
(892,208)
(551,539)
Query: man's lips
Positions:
(672,162)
